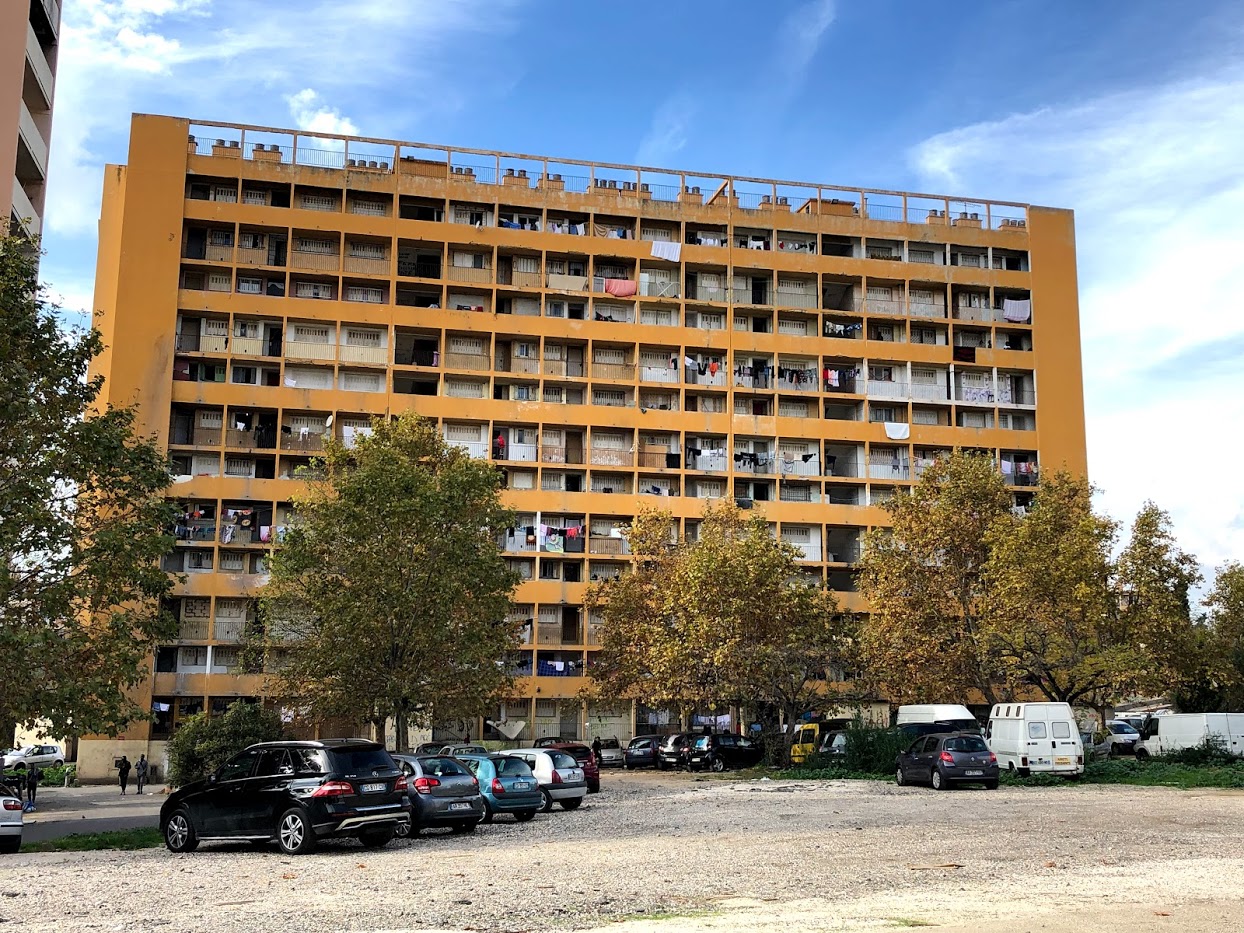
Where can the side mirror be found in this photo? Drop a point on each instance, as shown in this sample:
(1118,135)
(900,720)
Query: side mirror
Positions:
(211,778)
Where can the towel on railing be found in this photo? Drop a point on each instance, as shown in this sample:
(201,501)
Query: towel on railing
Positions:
(897,430)
(670,252)
(1017,310)
(621,288)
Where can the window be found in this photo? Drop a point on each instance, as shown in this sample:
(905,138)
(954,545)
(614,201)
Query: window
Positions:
(310,245)
(250,286)
(238,767)
(274,761)
(1060,730)
(367,250)
(967,743)
(1036,730)
(362,338)
(307,761)
(364,293)
(220,237)
(307,333)
(920,255)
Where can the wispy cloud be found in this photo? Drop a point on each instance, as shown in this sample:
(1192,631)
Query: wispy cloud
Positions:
(311,113)
(667,135)
(1153,176)
(799,39)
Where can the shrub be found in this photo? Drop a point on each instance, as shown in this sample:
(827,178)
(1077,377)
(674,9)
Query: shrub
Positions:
(1212,751)
(202,743)
(871,750)
(55,777)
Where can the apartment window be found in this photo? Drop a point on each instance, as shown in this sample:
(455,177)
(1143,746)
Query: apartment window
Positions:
(210,419)
(881,373)
(191,657)
(923,416)
(309,333)
(367,250)
(456,389)
(793,409)
(921,376)
(219,282)
(555,309)
(608,397)
(198,560)
(876,414)
(367,206)
(250,286)
(252,240)
(232,562)
(363,338)
(309,245)
(880,252)
(364,293)
(317,202)
(794,328)
(223,193)
(926,335)
(220,237)
(921,255)
(712,321)
(362,382)
(471,345)
(235,466)
(259,198)
(313,290)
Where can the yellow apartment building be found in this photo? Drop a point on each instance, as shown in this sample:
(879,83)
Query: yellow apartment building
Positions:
(28,50)
(611,336)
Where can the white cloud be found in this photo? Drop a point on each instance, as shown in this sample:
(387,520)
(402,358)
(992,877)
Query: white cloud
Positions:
(312,114)
(799,38)
(667,134)
(1154,179)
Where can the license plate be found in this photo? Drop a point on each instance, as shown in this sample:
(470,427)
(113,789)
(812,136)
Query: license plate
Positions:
(522,785)
(460,806)
(1062,761)
(973,773)
(374,788)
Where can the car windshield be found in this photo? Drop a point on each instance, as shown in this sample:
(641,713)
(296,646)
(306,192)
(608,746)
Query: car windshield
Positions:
(610,743)
(361,760)
(1122,728)
(562,760)
(440,767)
(703,741)
(966,743)
(511,767)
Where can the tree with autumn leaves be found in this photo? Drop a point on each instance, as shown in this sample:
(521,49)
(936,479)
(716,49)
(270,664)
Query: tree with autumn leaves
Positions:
(970,598)
(724,618)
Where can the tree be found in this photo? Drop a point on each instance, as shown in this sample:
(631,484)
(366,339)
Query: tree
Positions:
(1054,618)
(203,743)
(82,524)
(389,597)
(725,618)
(1216,684)
(924,577)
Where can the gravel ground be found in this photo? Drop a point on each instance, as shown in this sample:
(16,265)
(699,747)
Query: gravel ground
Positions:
(672,851)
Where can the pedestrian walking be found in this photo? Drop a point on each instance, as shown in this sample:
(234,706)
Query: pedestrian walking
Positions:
(33,775)
(140,772)
(597,745)
(123,773)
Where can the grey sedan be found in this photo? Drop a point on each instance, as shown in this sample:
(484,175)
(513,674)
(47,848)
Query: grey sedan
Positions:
(946,759)
(442,793)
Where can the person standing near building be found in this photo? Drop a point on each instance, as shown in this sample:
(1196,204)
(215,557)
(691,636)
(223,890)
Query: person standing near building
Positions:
(123,773)
(597,745)
(140,773)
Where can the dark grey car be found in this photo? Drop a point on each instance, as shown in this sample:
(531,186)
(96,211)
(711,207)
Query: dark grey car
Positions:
(944,760)
(442,793)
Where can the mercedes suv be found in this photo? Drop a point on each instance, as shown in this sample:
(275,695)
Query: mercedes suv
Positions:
(293,793)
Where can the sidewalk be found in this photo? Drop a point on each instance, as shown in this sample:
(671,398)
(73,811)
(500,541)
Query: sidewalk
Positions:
(62,811)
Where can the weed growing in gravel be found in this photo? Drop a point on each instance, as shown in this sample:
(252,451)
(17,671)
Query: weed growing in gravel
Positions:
(146,838)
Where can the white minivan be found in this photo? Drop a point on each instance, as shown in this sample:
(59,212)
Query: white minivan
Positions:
(927,718)
(1169,733)
(1036,737)
(559,775)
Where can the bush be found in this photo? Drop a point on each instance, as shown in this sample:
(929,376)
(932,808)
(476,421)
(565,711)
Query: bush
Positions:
(871,750)
(202,743)
(1212,751)
(55,777)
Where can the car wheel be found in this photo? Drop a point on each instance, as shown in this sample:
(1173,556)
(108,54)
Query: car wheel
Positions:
(991,785)
(938,782)
(459,828)
(10,844)
(488,814)
(179,834)
(718,765)
(402,829)
(571,803)
(1142,754)
(546,801)
(294,832)
(899,778)
(58,764)
(525,816)
(377,838)
(660,765)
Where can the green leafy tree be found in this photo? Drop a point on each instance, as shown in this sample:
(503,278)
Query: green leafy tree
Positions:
(82,524)
(926,583)
(203,743)
(725,618)
(1054,617)
(388,599)
(1216,682)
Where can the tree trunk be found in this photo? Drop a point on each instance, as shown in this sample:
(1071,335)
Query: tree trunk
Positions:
(402,726)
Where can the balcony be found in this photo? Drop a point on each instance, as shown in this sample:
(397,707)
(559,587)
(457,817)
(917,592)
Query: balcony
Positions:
(621,371)
(571,369)
(807,551)
(24,210)
(791,464)
(881,388)
(976,395)
(302,440)
(610,456)
(929,392)
(925,310)
(36,146)
(793,379)
(601,544)
(890,307)
(350,353)
(659,374)
(419,268)
(305,350)
(552,454)
(790,298)
(229,630)
(248,256)
(657,289)
(477,449)
(367,265)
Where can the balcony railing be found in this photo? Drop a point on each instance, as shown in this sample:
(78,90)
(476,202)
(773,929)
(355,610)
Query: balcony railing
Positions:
(625,371)
(974,314)
(796,465)
(745,296)
(229,630)
(302,440)
(367,265)
(302,350)
(651,289)
(797,380)
(890,469)
(926,392)
(563,368)
(250,346)
(477,449)
(216,253)
(599,544)
(468,274)
(979,395)
(1008,396)
(758,464)
(315,262)
(552,454)
(248,256)
(786,298)
(357,354)
(879,388)
(476,362)
(890,307)
(708,293)
(842,552)
(921,309)
(806,551)
(418,269)
(609,456)
(658,374)
(193,630)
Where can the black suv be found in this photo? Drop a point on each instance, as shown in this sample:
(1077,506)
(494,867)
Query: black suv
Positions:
(294,792)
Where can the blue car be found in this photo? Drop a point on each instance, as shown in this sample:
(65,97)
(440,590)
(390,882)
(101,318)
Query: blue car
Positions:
(506,784)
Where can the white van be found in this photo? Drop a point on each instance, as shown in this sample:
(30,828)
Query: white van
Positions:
(1034,737)
(1163,734)
(928,718)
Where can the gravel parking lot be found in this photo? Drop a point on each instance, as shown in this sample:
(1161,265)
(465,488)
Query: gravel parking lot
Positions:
(673,852)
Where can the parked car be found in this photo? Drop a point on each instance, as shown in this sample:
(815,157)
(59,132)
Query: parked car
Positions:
(722,751)
(674,750)
(1174,731)
(946,760)
(641,751)
(454,750)
(806,739)
(929,718)
(45,756)
(10,819)
(296,793)
(507,785)
(442,792)
(582,754)
(833,743)
(610,754)
(560,778)
(1036,737)
(1121,738)
(428,748)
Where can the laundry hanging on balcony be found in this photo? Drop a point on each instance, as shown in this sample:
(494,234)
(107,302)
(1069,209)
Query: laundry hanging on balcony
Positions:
(1017,310)
(671,252)
(621,288)
(897,430)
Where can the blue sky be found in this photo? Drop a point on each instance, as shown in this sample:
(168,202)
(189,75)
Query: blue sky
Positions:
(1131,114)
